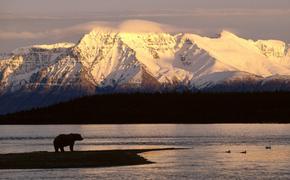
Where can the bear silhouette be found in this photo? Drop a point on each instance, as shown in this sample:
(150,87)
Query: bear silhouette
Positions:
(63,140)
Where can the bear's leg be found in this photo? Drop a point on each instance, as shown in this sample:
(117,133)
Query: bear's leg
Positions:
(55,148)
(62,149)
(71,147)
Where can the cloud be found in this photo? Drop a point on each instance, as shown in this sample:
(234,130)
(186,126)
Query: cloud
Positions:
(130,26)
(58,33)
(144,26)
(134,25)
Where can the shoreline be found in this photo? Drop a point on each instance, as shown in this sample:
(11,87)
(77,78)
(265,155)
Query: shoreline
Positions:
(76,159)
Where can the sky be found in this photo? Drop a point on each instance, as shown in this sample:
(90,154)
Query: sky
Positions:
(28,22)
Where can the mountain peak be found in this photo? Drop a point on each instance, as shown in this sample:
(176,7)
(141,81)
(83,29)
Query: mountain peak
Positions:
(227,34)
(62,45)
(112,59)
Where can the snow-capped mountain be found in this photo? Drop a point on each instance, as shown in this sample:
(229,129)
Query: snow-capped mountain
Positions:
(105,60)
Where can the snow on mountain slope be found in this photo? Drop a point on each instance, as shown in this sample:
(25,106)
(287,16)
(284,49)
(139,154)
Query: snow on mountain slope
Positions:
(56,47)
(171,58)
(121,61)
(272,48)
(108,58)
(154,50)
(244,55)
(20,69)
(198,62)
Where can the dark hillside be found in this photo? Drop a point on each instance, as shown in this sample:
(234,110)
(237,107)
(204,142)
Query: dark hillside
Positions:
(162,108)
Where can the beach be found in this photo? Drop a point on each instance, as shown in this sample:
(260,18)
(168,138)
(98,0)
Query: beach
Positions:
(77,159)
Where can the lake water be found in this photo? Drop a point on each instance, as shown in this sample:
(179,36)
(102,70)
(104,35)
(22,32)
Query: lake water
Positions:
(204,158)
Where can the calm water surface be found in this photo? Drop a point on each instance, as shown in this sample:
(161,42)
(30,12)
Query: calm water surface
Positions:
(205,158)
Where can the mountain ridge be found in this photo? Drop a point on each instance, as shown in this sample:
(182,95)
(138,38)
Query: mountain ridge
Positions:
(108,61)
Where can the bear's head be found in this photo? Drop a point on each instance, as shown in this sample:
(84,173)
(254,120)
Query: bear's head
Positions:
(77,137)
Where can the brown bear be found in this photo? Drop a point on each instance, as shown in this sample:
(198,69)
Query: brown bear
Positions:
(63,140)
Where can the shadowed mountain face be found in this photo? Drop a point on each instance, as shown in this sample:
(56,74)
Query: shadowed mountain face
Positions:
(105,61)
